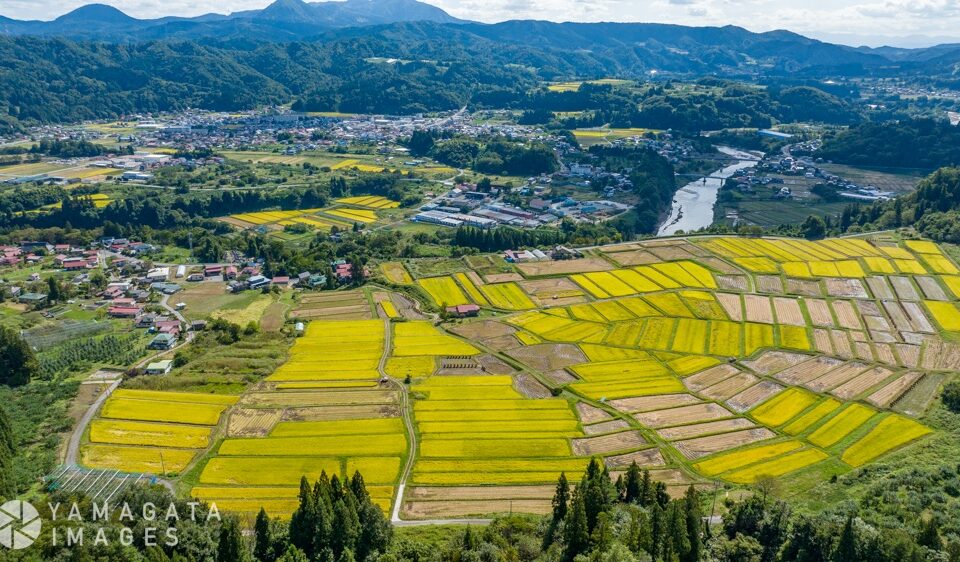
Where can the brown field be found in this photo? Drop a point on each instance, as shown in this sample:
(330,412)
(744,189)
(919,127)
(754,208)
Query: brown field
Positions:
(774,361)
(885,353)
(819,312)
(876,323)
(730,387)
(788,311)
(732,282)
(703,446)
(863,351)
(326,413)
(349,312)
(701,429)
(718,264)
(605,444)
(710,377)
(758,309)
(754,396)
(673,253)
(462,508)
(558,291)
(769,284)
(808,370)
(245,422)
(803,287)
(684,414)
(605,427)
(880,287)
(549,356)
(862,383)
(731,305)
(898,316)
(836,377)
(841,344)
(560,376)
(483,330)
(236,222)
(503,277)
(904,289)
(319,398)
(821,340)
(909,354)
(635,257)
(918,318)
(467,493)
(845,288)
(648,403)
(591,414)
(931,289)
(563,267)
(886,396)
(644,458)
(846,315)
(530,387)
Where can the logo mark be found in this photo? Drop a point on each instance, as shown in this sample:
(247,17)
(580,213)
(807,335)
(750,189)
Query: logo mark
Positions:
(19,524)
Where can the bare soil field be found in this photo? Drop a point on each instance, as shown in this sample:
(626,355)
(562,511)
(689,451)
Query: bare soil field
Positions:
(732,282)
(530,387)
(560,376)
(808,370)
(846,315)
(648,403)
(841,344)
(633,257)
(325,413)
(483,330)
(931,289)
(462,508)
(503,277)
(862,383)
(819,312)
(494,365)
(720,265)
(754,395)
(605,444)
(467,493)
(549,356)
(917,317)
(703,446)
(821,340)
(318,398)
(564,267)
(701,429)
(836,377)
(673,253)
(909,354)
(684,414)
(803,287)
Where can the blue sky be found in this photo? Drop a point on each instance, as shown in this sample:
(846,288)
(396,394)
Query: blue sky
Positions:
(868,22)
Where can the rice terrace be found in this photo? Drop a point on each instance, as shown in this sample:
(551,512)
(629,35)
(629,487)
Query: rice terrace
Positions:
(713,361)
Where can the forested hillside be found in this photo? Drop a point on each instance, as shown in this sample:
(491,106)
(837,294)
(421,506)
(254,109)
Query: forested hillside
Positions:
(919,143)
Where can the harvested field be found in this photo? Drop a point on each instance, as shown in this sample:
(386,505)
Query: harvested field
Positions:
(904,289)
(808,370)
(606,427)
(710,377)
(549,356)
(648,403)
(682,415)
(564,267)
(502,277)
(758,309)
(822,342)
(880,288)
(634,257)
(769,284)
(820,313)
(464,508)
(850,288)
(644,458)
(468,493)
(862,383)
(591,414)
(836,377)
(732,282)
(483,330)
(708,428)
(246,422)
(730,387)
(788,311)
(931,289)
(841,344)
(847,316)
(606,444)
(340,412)
(803,287)
(773,361)
(731,305)
(703,446)
(754,395)
(890,393)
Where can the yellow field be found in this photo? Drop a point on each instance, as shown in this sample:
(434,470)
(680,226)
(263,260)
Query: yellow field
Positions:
(122,432)
(389,309)
(162,411)
(382,444)
(783,407)
(339,427)
(346,163)
(396,273)
(421,338)
(471,289)
(154,460)
(335,350)
(444,291)
(354,215)
(267,471)
(507,296)
(891,433)
(841,425)
(794,337)
(777,467)
(414,367)
(946,314)
(731,461)
(807,420)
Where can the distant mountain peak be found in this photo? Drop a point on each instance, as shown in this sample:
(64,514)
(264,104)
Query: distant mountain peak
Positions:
(100,13)
(287,11)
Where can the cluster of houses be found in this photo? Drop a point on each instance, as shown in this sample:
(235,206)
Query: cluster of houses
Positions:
(765,173)
(558,253)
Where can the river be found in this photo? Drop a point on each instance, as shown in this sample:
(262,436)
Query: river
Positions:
(693,203)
